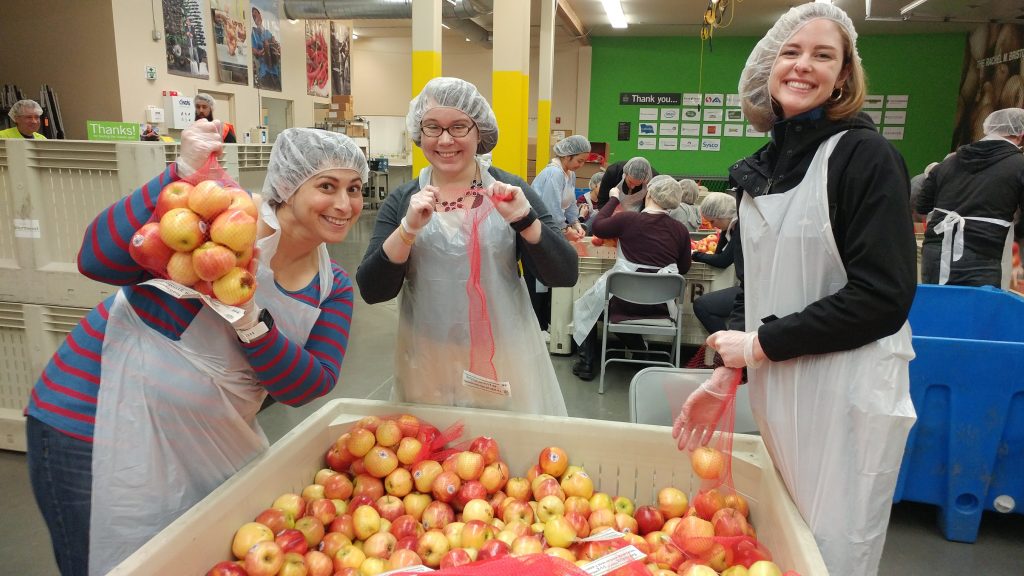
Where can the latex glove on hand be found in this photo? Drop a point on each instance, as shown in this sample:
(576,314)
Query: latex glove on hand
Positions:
(701,412)
(737,349)
(614,193)
(250,318)
(421,209)
(198,141)
(509,201)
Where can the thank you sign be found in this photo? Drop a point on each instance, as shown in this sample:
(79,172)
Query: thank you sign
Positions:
(649,98)
(98,130)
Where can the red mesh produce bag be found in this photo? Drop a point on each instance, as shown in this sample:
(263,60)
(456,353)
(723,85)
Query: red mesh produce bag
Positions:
(481,337)
(531,565)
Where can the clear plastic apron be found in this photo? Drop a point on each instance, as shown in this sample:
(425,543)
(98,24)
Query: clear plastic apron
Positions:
(433,347)
(589,307)
(835,424)
(951,228)
(175,419)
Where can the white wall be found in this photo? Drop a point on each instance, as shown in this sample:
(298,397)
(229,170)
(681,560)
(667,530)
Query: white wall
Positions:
(136,48)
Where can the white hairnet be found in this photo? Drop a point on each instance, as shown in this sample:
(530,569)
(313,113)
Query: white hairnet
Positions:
(461,95)
(301,153)
(690,191)
(24,107)
(595,180)
(571,146)
(203,97)
(638,168)
(1005,122)
(754,85)
(665,191)
(718,205)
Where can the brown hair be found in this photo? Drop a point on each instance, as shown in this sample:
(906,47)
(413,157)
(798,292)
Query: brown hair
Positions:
(855,87)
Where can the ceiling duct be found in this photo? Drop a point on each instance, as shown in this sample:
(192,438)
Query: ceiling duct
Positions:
(456,15)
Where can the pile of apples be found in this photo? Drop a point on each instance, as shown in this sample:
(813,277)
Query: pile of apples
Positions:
(707,244)
(382,504)
(201,237)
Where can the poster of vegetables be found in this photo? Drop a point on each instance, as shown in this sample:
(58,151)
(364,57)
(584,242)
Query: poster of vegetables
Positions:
(318,65)
(341,58)
(992,78)
(231,39)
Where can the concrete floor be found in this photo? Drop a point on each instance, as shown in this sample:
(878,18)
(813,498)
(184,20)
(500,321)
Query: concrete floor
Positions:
(914,546)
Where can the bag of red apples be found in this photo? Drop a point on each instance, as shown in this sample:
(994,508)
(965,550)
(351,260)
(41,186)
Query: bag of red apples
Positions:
(202,236)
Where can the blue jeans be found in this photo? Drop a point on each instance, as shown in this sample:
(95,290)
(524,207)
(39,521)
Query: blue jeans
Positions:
(60,469)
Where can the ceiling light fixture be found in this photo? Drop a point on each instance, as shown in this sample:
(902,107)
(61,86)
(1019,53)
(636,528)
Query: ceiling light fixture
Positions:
(614,11)
(354,35)
(445,26)
(910,7)
(452,2)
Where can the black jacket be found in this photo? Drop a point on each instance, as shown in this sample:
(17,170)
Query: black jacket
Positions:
(986,179)
(868,190)
(612,177)
(724,255)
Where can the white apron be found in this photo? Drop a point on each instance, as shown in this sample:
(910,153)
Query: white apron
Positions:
(433,347)
(175,419)
(951,228)
(589,307)
(835,424)
(634,201)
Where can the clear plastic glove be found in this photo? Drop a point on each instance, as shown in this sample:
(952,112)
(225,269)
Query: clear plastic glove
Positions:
(198,141)
(421,209)
(737,349)
(509,201)
(614,192)
(701,412)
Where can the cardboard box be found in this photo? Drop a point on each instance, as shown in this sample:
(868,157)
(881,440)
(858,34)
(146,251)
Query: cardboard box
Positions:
(356,131)
(633,460)
(342,99)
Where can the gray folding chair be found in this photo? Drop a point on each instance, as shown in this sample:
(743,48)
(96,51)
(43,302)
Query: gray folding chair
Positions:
(656,394)
(644,288)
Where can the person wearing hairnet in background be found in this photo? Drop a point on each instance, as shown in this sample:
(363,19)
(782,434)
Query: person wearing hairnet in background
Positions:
(826,255)
(27,116)
(586,202)
(449,242)
(972,199)
(687,212)
(631,178)
(713,309)
(204,111)
(649,241)
(117,454)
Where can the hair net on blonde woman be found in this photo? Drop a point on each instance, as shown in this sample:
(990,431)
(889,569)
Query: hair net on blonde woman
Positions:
(571,146)
(22,107)
(638,168)
(718,205)
(1005,122)
(665,191)
(301,153)
(458,94)
(690,191)
(754,86)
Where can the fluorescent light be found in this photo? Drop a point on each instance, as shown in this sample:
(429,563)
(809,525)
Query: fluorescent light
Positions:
(452,2)
(468,40)
(354,35)
(910,7)
(614,10)
(445,26)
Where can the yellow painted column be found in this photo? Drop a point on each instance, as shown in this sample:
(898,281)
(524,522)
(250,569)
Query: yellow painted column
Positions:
(545,72)
(510,86)
(426,57)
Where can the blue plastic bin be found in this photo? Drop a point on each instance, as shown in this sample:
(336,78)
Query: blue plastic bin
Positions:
(967,383)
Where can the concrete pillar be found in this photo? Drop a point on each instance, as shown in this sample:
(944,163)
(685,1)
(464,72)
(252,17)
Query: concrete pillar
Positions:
(546,65)
(510,91)
(426,57)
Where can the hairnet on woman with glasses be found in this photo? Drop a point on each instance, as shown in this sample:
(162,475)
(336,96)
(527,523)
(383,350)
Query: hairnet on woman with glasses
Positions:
(809,243)
(449,242)
(191,415)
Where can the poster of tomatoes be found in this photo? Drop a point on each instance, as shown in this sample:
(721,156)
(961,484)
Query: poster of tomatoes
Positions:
(318,65)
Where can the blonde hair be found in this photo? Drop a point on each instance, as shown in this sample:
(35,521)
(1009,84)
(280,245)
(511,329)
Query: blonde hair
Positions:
(854,88)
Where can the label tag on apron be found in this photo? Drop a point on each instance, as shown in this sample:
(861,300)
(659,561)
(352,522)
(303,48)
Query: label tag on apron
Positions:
(613,561)
(477,382)
(229,313)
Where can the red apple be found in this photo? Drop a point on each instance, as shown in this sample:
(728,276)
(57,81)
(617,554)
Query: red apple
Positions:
(380,545)
(408,543)
(518,510)
(409,425)
(470,490)
(338,459)
(148,250)
(437,515)
(494,548)
(369,422)
(578,505)
(625,523)
(312,492)
(495,476)
(323,510)
(475,533)
(737,502)
(234,229)
(707,462)
(312,529)
(291,540)
(264,559)
(344,525)
(208,199)
(174,195)
(211,261)
(469,465)
(337,486)
(235,288)
(648,519)
(380,461)
(548,507)
(553,460)
(348,557)
(403,558)
(367,485)
(576,482)
(455,558)
(486,447)
(518,488)
(398,482)
(526,545)
(319,564)
(445,486)
(707,502)
(406,525)
(275,519)
(226,568)
(390,507)
(579,523)
(478,509)
(180,270)
(545,486)
(601,518)
(694,535)
(182,230)
(360,442)
(559,532)
(247,536)
(729,522)
(332,542)
(292,504)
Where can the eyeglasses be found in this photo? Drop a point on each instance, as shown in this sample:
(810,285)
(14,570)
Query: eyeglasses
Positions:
(455,131)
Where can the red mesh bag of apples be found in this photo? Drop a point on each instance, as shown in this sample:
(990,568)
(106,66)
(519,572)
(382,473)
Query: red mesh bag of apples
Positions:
(202,236)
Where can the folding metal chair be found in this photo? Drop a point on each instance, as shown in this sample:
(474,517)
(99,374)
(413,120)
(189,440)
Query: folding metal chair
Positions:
(656,394)
(644,288)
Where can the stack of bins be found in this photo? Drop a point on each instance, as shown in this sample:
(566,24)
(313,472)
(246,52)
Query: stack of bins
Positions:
(965,454)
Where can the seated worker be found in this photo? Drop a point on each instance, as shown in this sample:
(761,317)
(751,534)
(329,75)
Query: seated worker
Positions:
(204,109)
(631,178)
(714,308)
(649,241)
(27,116)
(586,202)
(687,212)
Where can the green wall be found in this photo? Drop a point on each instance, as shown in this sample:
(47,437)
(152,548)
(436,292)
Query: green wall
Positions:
(927,67)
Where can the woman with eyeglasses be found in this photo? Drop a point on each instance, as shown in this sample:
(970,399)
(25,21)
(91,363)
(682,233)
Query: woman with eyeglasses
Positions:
(450,242)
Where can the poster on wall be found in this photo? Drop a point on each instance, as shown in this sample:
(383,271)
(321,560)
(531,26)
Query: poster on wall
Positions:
(647,129)
(668,143)
(893,132)
(711,145)
(875,115)
(895,117)
(266,46)
(992,78)
(691,99)
(670,113)
(341,58)
(185,39)
(689,130)
(689,144)
(873,101)
(712,130)
(230,37)
(733,130)
(668,129)
(692,114)
(754,132)
(646,143)
(734,115)
(648,114)
(317,59)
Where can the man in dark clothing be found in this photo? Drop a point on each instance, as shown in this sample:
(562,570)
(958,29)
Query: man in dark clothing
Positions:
(971,199)
(630,177)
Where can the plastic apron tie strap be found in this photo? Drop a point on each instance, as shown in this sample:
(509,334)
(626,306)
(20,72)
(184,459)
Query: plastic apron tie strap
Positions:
(951,228)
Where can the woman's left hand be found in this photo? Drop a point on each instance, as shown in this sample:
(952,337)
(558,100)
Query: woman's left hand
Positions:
(509,201)
(573,233)
(737,349)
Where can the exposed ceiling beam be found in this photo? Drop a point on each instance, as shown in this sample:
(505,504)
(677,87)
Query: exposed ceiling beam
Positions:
(572,22)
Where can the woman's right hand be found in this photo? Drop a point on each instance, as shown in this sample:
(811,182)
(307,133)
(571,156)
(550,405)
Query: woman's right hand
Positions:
(198,141)
(421,208)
